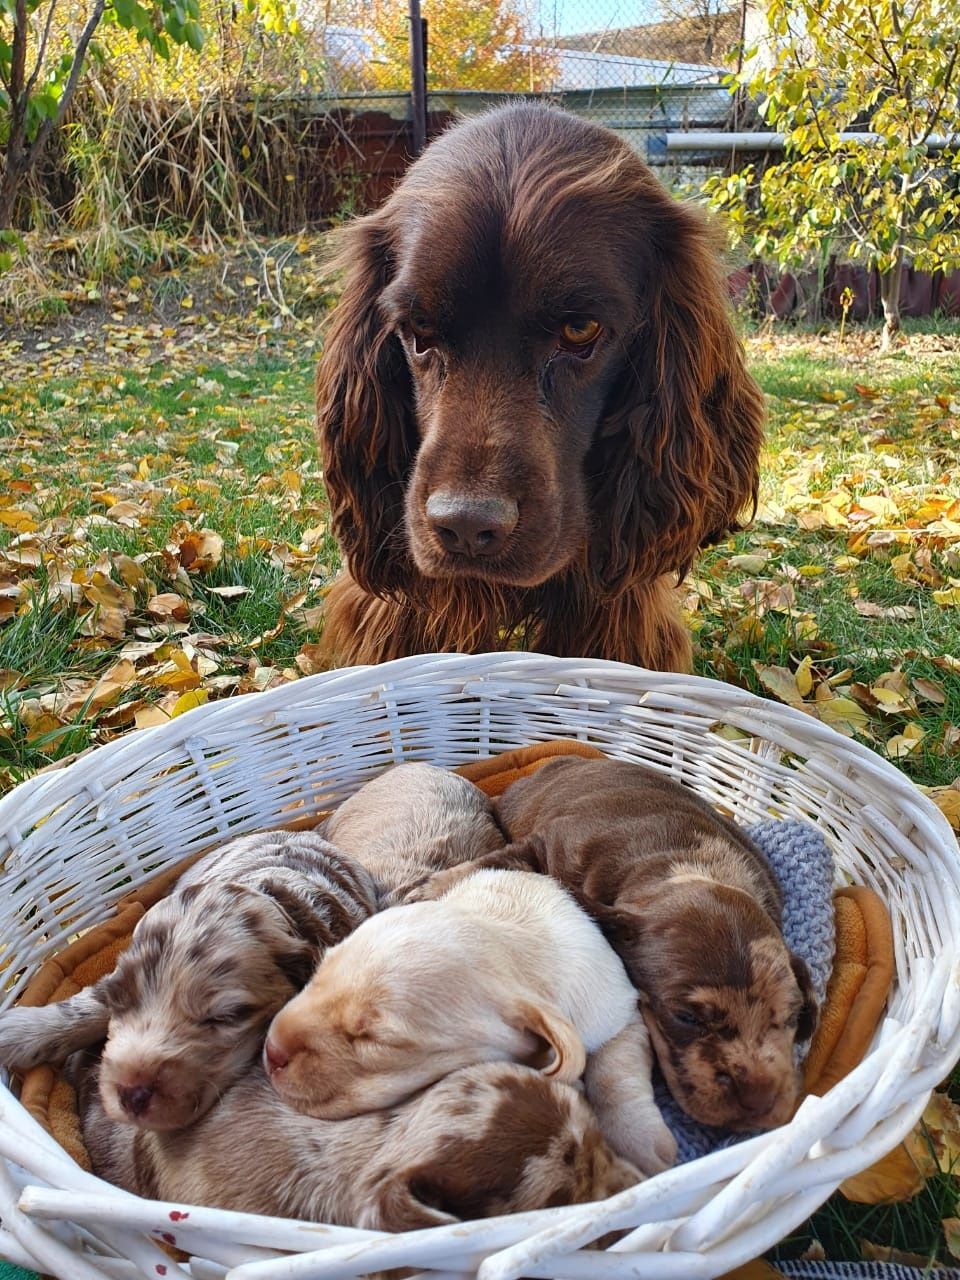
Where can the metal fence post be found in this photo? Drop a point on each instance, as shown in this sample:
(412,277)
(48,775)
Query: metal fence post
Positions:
(418,78)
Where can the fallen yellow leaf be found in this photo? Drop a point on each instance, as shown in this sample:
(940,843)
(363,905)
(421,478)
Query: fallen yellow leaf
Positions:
(781,682)
(804,676)
(749,563)
(947,800)
(899,1175)
(901,744)
(187,701)
(843,714)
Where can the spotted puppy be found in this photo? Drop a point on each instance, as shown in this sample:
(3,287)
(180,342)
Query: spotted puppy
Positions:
(694,912)
(412,820)
(492,1139)
(185,1010)
(504,967)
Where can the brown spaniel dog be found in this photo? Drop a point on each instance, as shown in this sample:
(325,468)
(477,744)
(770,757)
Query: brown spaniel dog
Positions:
(532,405)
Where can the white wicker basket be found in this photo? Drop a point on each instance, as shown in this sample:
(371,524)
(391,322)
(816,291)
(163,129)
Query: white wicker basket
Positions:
(75,840)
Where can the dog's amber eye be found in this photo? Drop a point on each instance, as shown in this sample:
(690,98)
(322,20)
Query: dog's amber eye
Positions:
(424,338)
(580,333)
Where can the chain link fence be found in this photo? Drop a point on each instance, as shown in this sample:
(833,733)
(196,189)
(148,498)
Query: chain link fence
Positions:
(641,67)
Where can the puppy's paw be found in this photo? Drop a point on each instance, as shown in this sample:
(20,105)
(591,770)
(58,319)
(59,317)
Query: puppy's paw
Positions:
(412,891)
(646,1140)
(28,1038)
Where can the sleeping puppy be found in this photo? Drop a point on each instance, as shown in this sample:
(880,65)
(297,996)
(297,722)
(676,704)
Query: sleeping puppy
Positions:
(185,1010)
(694,912)
(412,820)
(488,1140)
(503,968)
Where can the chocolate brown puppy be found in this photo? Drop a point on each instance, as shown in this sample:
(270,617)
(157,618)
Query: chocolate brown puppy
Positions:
(693,910)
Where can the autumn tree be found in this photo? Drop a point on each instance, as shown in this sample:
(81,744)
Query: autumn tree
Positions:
(887,69)
(44,45)
(713,24)
(473,44)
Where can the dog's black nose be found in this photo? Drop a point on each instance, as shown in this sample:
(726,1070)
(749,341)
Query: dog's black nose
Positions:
(471,526)
(135,1099)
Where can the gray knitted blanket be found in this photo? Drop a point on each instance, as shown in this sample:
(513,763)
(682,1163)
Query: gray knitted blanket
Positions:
(801,861)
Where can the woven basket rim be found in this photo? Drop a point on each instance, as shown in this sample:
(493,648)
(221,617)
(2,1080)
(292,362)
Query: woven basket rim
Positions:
(698,1220)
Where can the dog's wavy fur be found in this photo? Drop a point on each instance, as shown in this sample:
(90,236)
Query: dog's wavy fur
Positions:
(663,463)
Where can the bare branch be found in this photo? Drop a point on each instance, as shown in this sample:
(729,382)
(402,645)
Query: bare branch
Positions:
(48,126)
(890,62)
(42,49)
(936,111)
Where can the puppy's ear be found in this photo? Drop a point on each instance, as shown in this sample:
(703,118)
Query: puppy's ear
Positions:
(563,1056)
(809,1009)
(292,923)
(395,1205)
(297,962)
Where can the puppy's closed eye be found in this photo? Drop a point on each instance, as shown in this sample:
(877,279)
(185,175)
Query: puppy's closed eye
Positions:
(687,1020)
(231,1016)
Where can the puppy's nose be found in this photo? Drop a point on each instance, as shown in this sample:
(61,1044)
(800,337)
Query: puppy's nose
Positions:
(135,1099)
(274,1059)
(471,526)
(756,1097)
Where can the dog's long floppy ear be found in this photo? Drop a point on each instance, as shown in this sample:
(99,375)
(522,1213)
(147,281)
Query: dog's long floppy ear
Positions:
(675,461)
(563,1056)
(809,1009)
(365,420)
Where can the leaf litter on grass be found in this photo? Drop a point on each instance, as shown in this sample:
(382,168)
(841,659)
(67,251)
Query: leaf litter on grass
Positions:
(166,519)
(843,600)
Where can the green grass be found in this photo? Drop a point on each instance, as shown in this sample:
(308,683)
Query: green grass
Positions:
(193,439)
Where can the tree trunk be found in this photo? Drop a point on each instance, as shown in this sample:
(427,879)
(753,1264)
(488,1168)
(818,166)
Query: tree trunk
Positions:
(890,280)
(9,184)
(13,161)
(890,297)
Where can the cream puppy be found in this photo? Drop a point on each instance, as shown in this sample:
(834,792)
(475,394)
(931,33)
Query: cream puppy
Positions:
(503,967)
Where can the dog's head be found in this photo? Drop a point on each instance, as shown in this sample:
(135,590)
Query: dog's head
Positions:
(532,368)
(723,998)
(191,998)
(489,1140)
(414,993)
